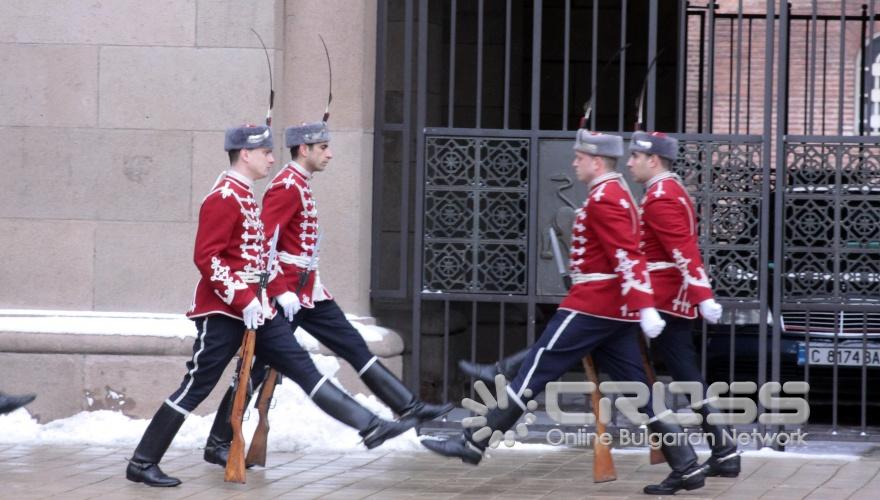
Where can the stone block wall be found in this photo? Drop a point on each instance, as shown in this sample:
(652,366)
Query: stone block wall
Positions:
(112,132)
(127,372)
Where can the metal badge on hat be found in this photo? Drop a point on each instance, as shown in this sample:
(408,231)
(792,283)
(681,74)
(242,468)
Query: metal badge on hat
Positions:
(258,138)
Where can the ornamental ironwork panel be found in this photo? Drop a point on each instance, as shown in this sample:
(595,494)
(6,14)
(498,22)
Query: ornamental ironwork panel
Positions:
(476,215)
(559,195)
(831,212)
(725,177)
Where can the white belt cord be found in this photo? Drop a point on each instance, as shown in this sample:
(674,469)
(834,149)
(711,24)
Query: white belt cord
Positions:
(657,266)
(578,278)
(296,260)
(248,277)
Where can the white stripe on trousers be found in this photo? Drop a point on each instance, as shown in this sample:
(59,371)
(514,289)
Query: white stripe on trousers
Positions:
(195,367)
(176,408)
(367,365)
(553,340)
(317,386)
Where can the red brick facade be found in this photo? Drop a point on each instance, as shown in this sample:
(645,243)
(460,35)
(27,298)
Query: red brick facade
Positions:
(814,48)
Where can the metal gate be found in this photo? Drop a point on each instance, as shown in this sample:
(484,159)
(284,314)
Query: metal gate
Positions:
(476,107)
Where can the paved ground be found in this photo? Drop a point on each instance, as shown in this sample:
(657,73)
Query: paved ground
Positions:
(79,473)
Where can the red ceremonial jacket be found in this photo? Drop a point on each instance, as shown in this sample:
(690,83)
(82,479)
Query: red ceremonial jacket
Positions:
(229,250)
(608,271)
(288,205)
(669,240)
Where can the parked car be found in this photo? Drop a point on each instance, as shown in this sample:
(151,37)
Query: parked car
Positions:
(829,321)
(811,344)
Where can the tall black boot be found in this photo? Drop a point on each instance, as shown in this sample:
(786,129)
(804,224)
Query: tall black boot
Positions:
(508,367)
(11,403)
(220,438)
(469,448)
(143,467)
(724,460)
(686,473)
(342,407)
(393,393)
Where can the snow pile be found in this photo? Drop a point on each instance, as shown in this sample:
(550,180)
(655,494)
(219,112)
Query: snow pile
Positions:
(306,341)
(370,333)
(296,425)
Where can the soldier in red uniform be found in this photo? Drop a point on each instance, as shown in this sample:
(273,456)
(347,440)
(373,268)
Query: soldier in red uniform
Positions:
(230,253)
(681,285)
(610,296)
(288,204)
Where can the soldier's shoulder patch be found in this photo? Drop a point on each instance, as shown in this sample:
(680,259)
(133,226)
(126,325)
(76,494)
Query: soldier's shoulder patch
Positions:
(612,192)
(221,196)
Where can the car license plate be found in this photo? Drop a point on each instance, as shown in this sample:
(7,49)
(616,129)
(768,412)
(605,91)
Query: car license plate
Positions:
(844,356)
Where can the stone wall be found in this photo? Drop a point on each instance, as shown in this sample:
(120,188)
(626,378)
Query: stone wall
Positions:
(112,132)
(121,364)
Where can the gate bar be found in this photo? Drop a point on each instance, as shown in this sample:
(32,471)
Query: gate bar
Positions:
(453,45)
(765,206)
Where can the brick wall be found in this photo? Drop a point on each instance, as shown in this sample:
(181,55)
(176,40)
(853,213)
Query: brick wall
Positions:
(819,104)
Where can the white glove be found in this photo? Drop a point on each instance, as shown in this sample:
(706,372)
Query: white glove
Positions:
(253,315)
(711,310)
(651,322)
(290,303)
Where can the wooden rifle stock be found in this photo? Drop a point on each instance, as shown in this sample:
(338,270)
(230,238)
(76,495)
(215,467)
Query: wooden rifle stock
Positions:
(256,454)
(603,463)
(656,454)
(235,466)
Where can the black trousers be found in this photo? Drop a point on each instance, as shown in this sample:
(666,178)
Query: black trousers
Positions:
(568,337)
(218,340)
(676,346)
(327,323)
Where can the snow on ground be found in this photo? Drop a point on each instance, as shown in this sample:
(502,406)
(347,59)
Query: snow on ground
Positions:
(370,333)
(296,425)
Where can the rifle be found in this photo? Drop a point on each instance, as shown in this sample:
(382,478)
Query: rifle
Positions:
(656,454)
(257,452)
(235,465)
(603,463)
(588,106)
